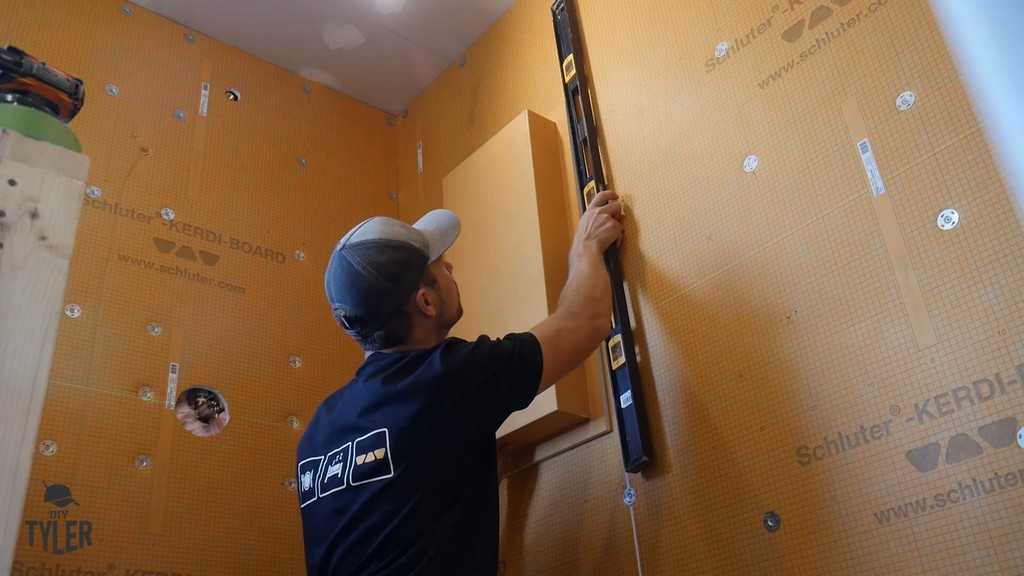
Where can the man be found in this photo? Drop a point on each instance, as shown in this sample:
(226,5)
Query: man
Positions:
(398,468)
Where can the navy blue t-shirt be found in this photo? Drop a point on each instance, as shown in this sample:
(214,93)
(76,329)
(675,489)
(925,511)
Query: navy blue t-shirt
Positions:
(397,470)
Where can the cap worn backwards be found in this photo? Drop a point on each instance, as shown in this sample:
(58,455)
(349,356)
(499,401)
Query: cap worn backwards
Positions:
(377,266)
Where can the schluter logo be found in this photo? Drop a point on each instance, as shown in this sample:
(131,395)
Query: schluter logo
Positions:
(185,252)
(791,34)
(812,18)
(963,447)
(818,17)
(188,230)
(959,448)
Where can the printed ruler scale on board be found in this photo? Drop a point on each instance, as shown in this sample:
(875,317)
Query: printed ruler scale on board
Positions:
(625,374)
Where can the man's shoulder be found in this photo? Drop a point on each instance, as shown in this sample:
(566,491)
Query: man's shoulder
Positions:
(510,341)
(327,412)
(516,359)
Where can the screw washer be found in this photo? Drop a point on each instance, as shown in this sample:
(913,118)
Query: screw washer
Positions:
(47,447)
(629,496)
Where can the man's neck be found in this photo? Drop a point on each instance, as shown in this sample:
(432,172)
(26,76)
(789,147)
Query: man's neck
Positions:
(419,341)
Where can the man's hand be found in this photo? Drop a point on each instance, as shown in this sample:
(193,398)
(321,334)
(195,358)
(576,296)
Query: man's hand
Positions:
(581,320)
(600,226)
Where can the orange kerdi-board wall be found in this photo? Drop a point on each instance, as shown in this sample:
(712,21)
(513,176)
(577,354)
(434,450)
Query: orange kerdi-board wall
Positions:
(231,302)
(812,343)
(808,348)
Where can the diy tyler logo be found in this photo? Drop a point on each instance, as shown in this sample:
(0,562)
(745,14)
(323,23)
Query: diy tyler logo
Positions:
(58,533)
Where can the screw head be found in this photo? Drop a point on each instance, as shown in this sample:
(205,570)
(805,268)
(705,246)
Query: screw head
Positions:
(93,192)
(73,310)
(722,49)
(190,38)
(750,164)
(300,255)
(290,484)
(180,115)
(772,522)
(47,447)
(948,219)
(154,329)
(306,88)
(112,90)
(146,393)
(142,462)
(167,214)
(303,161)
(905,101)
(629,496)
(292,422)
(126,10)
(295,361)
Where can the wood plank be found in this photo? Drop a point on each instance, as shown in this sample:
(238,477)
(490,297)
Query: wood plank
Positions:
(40,199)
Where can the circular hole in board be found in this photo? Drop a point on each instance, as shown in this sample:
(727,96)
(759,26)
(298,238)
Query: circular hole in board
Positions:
(202,411)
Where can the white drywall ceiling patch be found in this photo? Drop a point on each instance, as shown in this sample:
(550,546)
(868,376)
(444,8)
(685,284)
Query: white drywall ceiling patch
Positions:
(386,7)
(338,36)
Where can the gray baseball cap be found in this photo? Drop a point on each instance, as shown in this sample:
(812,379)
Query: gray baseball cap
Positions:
(377,267)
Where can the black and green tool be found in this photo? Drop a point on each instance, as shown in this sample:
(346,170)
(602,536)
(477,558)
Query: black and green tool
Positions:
(38,100)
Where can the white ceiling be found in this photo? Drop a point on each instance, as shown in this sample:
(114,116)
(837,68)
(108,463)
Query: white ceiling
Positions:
(381,52)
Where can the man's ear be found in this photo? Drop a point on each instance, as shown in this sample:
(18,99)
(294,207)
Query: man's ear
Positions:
(425,302)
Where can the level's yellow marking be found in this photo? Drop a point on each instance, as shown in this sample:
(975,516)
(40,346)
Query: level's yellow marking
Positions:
(895,244)
(615,351)
(569,69)
(589,191)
